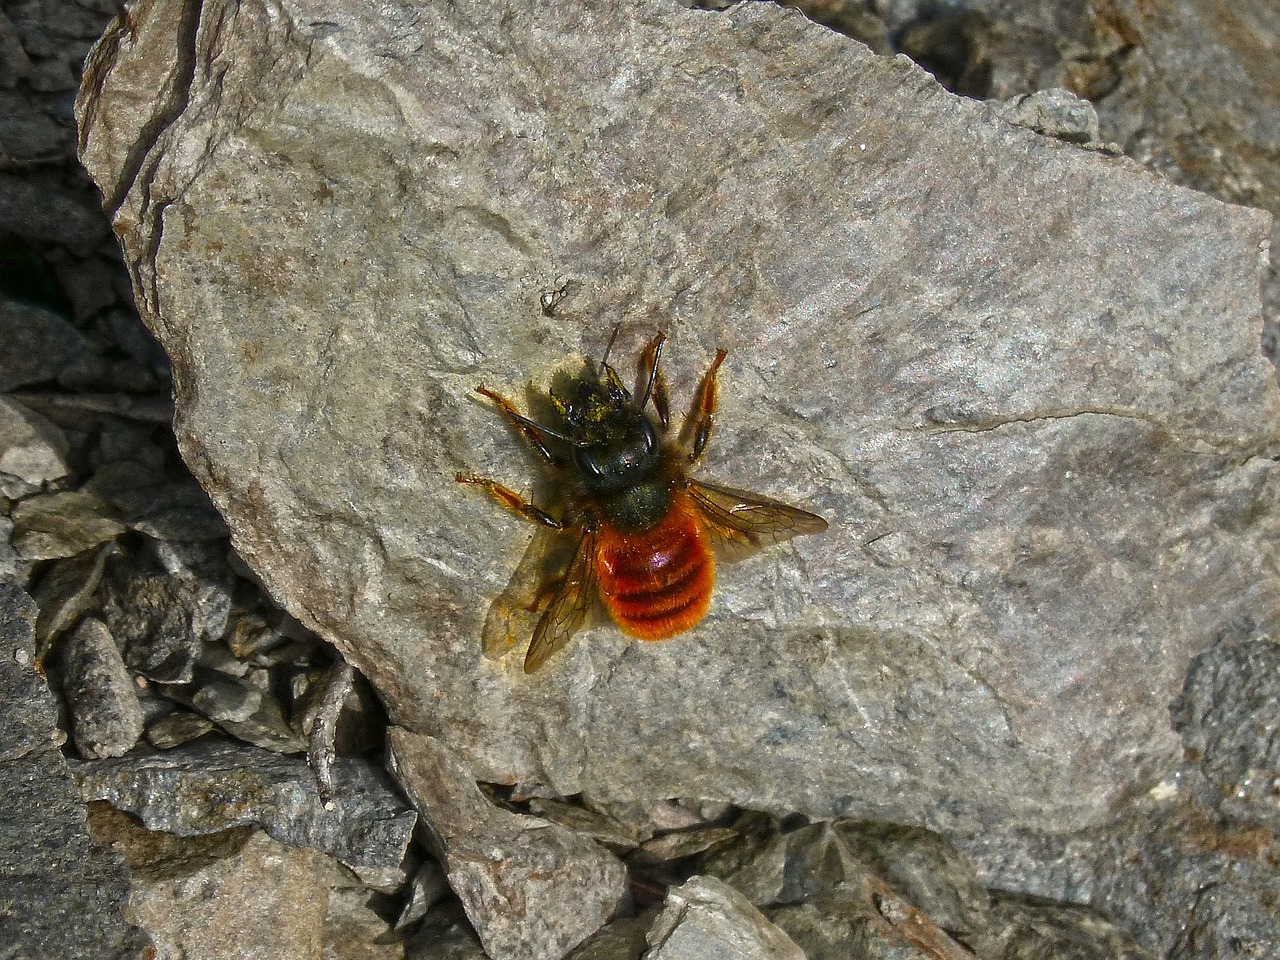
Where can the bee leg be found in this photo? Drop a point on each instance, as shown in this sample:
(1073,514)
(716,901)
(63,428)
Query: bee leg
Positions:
(526,428)
(513,501)
(696,430)
(654,386)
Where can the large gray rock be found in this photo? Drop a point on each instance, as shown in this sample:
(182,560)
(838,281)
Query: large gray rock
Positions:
(1022,380)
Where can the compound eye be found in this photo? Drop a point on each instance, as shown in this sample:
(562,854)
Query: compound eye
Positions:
(650,437)
(587,463)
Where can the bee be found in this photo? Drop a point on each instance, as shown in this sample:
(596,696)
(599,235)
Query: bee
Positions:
(637,531)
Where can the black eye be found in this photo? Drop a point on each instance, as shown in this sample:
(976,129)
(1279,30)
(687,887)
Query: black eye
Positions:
(587,462)
(649,437)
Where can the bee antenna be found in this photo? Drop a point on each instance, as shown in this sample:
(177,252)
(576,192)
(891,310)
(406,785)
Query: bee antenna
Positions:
(534,425)
(604,361)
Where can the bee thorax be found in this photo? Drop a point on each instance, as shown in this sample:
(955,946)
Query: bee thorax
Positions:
(640,507)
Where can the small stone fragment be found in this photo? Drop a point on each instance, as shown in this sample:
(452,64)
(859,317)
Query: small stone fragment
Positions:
(786,867)
(177,728)
(682,843)
(922,867)
(225,700)
(166,507)
(644,818)
(53,525)
(14,568)
(623,939)
(532,889)
(706,918)
(249,635)
(211,785)
(218,658)
(106,717)
(600,826)
(266,727)
(446,935)
(1055,113)
(841,924)
(162,608)
(31,448)
(65,591)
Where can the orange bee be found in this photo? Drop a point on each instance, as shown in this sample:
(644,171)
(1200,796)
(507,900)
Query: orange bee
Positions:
(642,531)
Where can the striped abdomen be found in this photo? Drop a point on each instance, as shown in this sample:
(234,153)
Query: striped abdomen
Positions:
(657,584)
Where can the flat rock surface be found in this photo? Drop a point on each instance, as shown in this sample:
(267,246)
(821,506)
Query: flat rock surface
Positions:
(1023,382)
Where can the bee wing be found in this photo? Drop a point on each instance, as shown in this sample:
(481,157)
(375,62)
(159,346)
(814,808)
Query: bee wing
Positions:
(514,612)
(746,522)
(568,608)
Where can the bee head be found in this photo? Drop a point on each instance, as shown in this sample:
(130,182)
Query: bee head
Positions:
(614,443)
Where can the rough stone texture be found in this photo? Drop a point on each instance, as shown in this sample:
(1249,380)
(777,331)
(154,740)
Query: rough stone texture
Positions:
(1022,380)
(65,591)
(59,896)
(446,935)
(353,930)
(1184,882)
(166,507)
(864,890)
(162,608)
(236,895)
(781,867)
(31,448)
(13,567)
(1197,95)
(624,939)
(1055,113)
(210,786)
(177,728)
(1229,718)
(55,525)
(705,919)
(106,717)
(1040,931)
(532,889)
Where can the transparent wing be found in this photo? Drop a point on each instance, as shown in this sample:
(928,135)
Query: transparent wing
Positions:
(746,522)
(568,608)
(514,613)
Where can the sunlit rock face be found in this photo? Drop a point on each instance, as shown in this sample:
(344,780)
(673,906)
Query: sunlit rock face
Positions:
(1021,380)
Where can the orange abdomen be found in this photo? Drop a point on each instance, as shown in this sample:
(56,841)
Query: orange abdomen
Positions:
(657,584)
